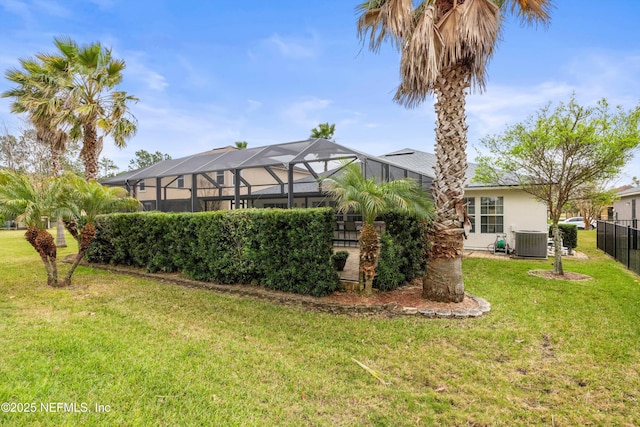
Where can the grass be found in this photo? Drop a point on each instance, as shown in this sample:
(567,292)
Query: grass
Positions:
(549,353)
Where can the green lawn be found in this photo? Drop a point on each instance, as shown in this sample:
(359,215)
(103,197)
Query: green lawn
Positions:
(549,352)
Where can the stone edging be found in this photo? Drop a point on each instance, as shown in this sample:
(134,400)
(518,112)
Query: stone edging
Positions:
(284,298)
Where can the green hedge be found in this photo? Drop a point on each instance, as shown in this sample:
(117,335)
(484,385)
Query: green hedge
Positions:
(569,233)
(286,250)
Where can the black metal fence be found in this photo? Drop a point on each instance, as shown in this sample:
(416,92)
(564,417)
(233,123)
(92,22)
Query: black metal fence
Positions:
(621,241)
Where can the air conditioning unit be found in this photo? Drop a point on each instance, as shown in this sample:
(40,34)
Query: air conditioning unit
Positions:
(531,244)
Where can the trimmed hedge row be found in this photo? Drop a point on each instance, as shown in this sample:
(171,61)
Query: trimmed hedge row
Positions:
(285,250)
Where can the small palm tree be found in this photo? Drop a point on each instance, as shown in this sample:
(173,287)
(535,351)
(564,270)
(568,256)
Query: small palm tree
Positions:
(30,203)
(352,191)
(85,201)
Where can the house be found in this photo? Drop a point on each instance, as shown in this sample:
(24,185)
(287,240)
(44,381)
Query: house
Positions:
(287,176)
(494,211)
(627,206)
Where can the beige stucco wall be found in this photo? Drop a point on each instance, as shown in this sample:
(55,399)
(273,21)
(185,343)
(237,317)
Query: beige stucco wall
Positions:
(259,178)
(521,212)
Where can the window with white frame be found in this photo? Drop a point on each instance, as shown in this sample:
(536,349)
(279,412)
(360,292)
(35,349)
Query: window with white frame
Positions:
(220,177)
(470,206)
(492,215)
(180,181)
(142,187)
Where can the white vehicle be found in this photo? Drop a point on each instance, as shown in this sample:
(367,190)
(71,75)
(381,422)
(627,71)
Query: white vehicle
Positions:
(578,222)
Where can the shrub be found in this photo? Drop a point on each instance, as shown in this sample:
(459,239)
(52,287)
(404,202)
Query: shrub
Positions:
(569,233)
(388,274)
(287,250)
(339,259)
(410,241)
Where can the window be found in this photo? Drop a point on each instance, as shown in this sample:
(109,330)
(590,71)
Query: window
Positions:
(142,186)
(491,215)
(220,177)
(180,181)
(470,205)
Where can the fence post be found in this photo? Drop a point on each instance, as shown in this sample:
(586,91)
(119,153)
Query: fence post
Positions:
(629,246)
(615,241)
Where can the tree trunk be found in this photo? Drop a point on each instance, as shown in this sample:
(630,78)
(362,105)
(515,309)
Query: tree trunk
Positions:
(61,242)
(56,170)
(87,234)
(369,256)
(91,148)
(557,253)
(443,278)
(43,243)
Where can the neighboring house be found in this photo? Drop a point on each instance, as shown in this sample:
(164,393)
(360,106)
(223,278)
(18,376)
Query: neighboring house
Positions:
(627,207)
(494,210)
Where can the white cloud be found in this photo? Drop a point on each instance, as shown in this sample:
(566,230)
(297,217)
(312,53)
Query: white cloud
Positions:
(305,113)
(292,47)
(194,76)
(253,105)
(20,9)
(137,70)
(52,8)
(103,4)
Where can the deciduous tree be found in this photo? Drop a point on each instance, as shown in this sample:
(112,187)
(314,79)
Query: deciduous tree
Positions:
(557,152)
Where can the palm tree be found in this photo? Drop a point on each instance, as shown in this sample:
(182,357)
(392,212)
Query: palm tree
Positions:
(86,200)
(324,131)
(353,192)
(445,46)
(30,202)
(93,106)
(242,145)
(37,95)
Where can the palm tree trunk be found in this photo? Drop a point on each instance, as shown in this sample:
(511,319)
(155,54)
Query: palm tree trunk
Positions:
(369,256)
(88,233)
(443,278)
(90,152)
(56,169)
(61,242)
(43,243)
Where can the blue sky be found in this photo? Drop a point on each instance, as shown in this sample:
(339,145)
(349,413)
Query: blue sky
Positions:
(209,73)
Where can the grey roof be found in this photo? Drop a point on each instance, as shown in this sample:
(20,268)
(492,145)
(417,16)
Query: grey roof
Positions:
(229,158)
(630,192)
(424,163)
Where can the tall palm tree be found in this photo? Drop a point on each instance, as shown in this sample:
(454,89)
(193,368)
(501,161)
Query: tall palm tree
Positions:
(324,131)
(85,201)
(242,145)
(353,192)
(30,202)
(90,76)
(37,94)
(445,46)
